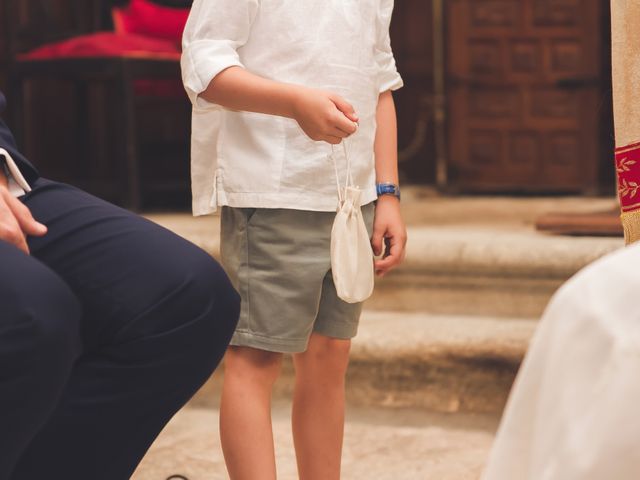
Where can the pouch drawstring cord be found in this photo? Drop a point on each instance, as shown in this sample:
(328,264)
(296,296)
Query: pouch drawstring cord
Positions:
(349,178)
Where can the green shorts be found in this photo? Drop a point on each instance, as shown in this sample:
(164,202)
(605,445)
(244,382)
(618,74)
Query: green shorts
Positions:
(279,261)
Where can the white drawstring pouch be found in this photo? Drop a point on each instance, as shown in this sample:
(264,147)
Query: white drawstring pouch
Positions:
(351,252)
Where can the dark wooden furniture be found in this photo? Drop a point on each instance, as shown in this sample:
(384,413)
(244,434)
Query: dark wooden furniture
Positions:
(31,23)
(412,42)
(605,224)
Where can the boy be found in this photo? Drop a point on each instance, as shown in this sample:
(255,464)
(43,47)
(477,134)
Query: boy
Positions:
(273,83)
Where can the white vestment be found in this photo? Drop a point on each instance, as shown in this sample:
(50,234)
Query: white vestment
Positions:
(573,413)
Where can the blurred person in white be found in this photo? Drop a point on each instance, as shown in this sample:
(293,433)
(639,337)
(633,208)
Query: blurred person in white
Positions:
(572,414)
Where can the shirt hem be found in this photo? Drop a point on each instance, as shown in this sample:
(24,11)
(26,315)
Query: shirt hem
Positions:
(302,201)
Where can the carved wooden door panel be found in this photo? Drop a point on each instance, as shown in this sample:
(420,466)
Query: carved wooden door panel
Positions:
(524,84)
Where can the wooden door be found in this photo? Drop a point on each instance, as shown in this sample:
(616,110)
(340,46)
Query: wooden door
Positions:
(412,42)
(524,87)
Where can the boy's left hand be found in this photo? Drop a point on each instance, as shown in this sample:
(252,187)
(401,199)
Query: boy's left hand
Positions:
(389,228)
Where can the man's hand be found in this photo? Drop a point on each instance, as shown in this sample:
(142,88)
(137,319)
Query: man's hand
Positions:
(389,228)
(16,221)
(324,116)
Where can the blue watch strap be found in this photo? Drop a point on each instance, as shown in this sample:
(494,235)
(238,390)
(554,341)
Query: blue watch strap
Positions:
(388,189)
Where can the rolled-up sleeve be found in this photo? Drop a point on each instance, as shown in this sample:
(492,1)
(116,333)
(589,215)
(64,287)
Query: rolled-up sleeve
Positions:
(388,76)
(215,30)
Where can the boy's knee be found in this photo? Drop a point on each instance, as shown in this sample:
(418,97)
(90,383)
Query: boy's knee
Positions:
(253,365)
(324,356)
(322,347)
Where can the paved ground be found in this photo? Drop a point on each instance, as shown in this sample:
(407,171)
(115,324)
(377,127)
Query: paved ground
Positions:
(380,444)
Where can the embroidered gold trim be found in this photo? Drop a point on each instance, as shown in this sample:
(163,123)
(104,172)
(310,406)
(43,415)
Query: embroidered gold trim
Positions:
(628,188)
(628,208)
(624,164)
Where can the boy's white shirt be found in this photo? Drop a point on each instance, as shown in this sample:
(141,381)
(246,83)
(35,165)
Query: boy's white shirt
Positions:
(244,159)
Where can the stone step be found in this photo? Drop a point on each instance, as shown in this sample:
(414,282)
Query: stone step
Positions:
(475,270)
(496,270)
(416,360)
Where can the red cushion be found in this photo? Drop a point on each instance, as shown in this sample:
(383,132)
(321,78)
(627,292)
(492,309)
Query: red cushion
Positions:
(147,18)
(106,44)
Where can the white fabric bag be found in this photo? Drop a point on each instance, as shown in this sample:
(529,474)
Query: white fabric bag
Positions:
(351,252)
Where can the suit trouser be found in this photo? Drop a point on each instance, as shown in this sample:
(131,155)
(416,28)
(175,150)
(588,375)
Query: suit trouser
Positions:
(106,330)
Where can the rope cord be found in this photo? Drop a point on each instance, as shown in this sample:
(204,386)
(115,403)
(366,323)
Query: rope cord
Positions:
(349,177)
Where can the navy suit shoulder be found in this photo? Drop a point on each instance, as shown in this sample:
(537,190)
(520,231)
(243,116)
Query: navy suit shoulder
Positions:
(9,144)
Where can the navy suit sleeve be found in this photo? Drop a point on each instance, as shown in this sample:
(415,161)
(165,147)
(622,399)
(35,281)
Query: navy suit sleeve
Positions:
(9,144)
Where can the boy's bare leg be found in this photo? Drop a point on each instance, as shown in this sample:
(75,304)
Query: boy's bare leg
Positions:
(245,413)
(318,407)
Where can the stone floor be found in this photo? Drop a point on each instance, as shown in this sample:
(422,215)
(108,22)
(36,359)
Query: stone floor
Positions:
(380,444)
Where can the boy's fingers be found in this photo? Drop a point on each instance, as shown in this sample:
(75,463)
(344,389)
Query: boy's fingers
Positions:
(345,107)
(376,241)
(386,263)
(336,132)
(332,139)
(393,258)
(387,247)
(345,125)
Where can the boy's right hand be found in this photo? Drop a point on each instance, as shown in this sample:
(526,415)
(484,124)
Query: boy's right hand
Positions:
(324,116)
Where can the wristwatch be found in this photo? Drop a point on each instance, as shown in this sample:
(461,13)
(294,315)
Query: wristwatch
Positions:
(388,189)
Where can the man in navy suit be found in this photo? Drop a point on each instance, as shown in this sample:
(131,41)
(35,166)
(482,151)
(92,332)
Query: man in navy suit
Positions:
(108,325)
